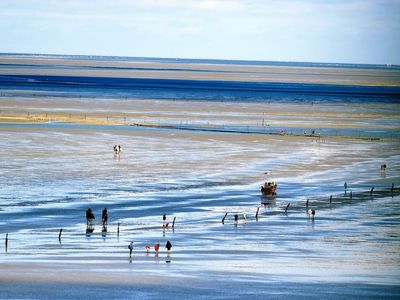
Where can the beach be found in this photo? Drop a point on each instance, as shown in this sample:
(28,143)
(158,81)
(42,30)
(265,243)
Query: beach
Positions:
(196,159)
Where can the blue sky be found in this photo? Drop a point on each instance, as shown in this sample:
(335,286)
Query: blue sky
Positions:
(352,31)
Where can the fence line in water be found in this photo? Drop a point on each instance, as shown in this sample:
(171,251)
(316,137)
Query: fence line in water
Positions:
(318,134)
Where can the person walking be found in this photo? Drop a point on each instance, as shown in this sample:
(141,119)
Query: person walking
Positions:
(104,216)
(130,247)
(168,245)
(165,221)
(156,248)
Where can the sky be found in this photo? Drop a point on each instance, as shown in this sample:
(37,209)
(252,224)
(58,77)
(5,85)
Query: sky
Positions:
(352,31)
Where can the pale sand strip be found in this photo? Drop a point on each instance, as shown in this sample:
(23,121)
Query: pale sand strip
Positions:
(247,73)
(120,274)
(200,113)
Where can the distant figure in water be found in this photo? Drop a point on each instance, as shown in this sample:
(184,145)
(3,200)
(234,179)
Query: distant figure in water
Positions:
(89,216)
(104,217)
(345,186)
(165,221)
(147,248)
(130,247)
(156,248)
(236,218)
(244,216)
(383,168)
(311,213)
(117,149)
(168,245)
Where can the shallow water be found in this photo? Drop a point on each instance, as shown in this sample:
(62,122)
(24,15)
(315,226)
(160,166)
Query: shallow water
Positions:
(50,176)
(50,173)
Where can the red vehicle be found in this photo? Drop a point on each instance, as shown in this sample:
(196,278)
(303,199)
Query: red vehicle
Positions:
(269,188)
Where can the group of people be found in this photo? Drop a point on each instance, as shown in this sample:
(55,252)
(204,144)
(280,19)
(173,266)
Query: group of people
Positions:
(90,218)
(168,246)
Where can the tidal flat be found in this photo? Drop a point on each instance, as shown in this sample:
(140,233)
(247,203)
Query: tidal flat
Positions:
(57,160)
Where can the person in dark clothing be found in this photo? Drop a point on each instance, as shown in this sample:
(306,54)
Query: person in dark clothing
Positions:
(104,217)
(89,216)
(130,247)
(168,245)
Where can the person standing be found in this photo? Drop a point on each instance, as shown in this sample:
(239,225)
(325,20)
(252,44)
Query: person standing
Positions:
(130,247)
(104,217)
(165,221)
(168,245)
(89,217)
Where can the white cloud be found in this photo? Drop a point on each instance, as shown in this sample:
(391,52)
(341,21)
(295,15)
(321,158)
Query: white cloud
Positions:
(219,5)
(262,28)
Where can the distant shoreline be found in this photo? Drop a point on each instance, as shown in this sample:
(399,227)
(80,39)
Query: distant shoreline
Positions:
(178,74)
(208,60)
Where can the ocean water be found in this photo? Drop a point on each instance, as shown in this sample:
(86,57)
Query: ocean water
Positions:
(51,173)
(50,176)
(100,87)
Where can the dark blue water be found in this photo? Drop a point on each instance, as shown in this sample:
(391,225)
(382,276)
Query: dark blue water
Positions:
(98,87)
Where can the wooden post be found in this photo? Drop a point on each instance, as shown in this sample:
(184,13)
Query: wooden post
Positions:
(223,219)
(59,235)
(258,208)
(330,199)
(287,207)
(173,223)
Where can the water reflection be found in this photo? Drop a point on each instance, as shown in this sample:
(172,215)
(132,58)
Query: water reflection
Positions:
(104,231)
(89,229)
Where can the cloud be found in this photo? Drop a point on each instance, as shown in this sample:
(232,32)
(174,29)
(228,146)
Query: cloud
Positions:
(219,5)
(262,28)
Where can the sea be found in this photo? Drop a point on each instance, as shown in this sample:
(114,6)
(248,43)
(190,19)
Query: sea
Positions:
(51,173)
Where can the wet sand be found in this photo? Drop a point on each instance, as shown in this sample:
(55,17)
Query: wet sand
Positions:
(44,65)
(53,172)
(206,255)
(200,113)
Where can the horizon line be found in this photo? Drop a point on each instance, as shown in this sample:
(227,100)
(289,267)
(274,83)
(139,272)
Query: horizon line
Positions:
(277,62)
